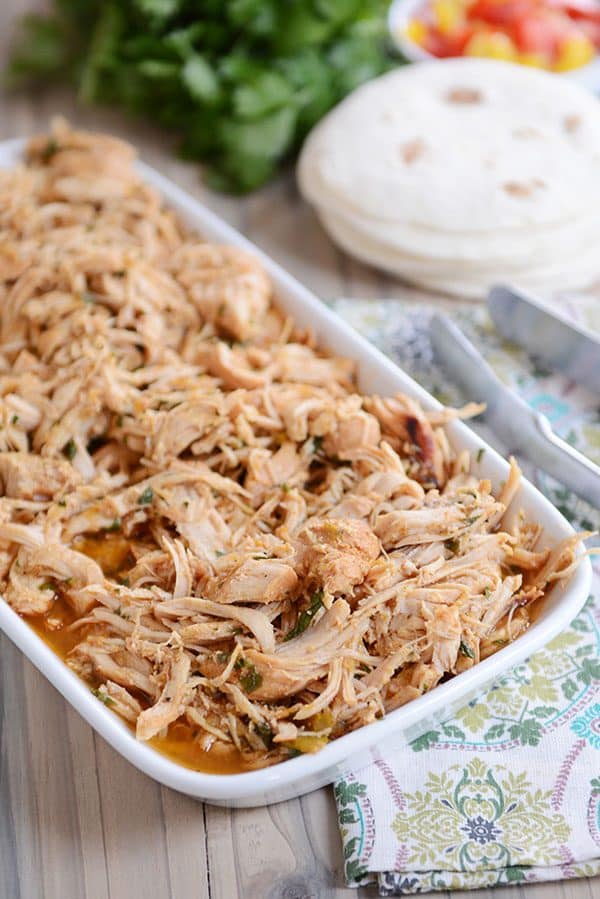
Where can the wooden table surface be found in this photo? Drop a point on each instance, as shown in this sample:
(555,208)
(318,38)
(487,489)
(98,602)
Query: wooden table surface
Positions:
(76,820)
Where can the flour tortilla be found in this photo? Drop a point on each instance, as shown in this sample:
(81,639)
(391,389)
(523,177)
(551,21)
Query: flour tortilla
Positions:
(462,146)
(535,246)
(562,273)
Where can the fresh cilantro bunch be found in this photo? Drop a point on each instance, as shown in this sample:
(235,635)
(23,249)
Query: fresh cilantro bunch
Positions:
(242,81)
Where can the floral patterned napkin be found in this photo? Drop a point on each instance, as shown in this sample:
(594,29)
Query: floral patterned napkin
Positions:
(508,791)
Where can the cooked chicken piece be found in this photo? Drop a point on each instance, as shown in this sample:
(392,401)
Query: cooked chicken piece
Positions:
(256,581)
(29,476)
(293,509)
(172,700)
(336,553)
(383,485)
(323,639)
(26,593)
(256,621)
(440,521)
(509,490)
(229,366)
(444,633)
(228,285)
(107,658)
(121,702)
(266,470)
(383,673)
(298,662)
(305,409)
(354,432)
(179,428)
(402,419)
(205,532)
(500,602)
(68,152)
(37,575)
(352,507)
(295,362)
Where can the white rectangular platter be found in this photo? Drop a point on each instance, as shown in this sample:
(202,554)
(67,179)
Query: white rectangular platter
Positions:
(305,773)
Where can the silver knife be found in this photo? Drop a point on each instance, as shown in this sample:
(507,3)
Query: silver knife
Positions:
(559,343)
(523,429)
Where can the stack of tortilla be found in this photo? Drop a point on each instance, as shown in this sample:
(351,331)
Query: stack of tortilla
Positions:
(459,173)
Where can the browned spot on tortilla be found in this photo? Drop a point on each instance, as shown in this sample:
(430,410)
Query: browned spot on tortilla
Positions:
(523,189)
(526,132)
(464,95)
(412,150)
(571,123)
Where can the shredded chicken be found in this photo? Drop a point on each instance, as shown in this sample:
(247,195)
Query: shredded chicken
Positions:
(232,537)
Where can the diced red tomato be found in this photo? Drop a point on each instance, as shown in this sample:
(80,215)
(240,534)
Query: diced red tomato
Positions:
(552,34)
(540,32)
(445,45)
(500,12)
(591,29)
(577,11)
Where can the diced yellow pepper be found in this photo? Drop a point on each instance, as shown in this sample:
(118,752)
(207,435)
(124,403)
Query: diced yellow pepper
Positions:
(492,45)
(308,743)
(576,51)
(534,60)
(322,720)
(416,31)
(448,15)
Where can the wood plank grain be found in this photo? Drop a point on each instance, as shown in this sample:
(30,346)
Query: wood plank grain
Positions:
(134,828)
(88,806)
(185,832)
(51,775)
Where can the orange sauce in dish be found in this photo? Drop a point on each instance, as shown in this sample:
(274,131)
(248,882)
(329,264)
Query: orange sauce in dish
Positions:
(111,551)
(180,743)
(181,746)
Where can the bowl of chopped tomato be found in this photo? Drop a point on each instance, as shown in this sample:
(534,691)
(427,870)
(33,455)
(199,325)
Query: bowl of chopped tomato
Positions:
(557,35)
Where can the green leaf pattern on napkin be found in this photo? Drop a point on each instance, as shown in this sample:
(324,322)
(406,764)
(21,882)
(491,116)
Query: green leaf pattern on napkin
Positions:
(480,816)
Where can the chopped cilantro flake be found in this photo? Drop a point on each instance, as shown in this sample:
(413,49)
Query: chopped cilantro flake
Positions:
(146,497)
(466,650)
(305,617)
(252,679)
(265,733)
(49,150)
(452,545)
(70,449)
(103,697)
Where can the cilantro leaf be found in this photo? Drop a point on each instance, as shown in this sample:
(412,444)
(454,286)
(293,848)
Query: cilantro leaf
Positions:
(240,83)
(305,618)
